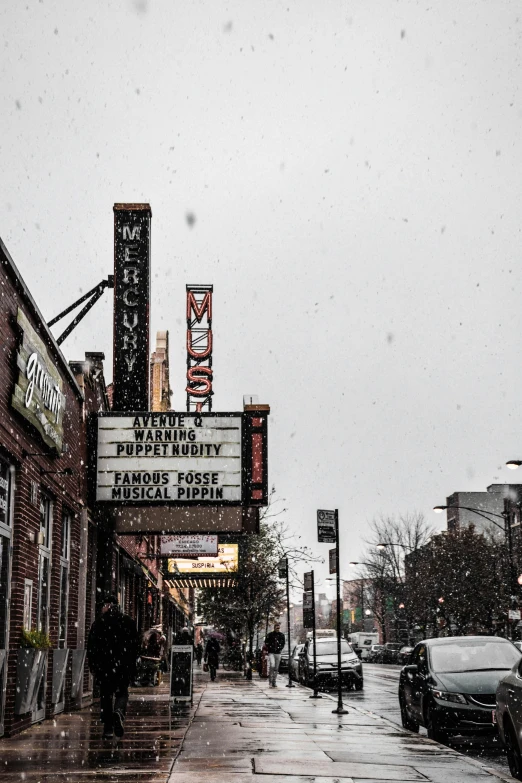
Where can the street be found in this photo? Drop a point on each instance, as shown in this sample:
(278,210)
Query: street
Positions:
(380,696)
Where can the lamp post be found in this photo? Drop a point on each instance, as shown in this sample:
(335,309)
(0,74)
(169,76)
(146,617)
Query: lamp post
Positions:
(506,527)
(283,572)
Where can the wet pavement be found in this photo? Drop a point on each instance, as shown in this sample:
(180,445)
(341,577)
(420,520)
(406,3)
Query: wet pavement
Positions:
(70,749)
(247,732)
(239,731)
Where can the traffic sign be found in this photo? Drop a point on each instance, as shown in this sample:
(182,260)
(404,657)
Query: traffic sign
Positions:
(326,526)
(308,581)
(308,610)
(282,568)
(332,560)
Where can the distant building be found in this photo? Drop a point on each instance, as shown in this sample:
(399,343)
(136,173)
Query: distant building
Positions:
(159,374)
(493,503)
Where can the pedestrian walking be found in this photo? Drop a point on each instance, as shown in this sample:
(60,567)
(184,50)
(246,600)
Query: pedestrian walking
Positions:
(275,642)
(212,650)
(198,650)
(112,649)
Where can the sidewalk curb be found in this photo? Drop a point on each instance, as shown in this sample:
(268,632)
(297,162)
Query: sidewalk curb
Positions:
(193,710)
(473,762)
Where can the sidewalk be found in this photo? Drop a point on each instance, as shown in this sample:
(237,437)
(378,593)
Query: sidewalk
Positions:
(246,732)
(236,732)
(70,749)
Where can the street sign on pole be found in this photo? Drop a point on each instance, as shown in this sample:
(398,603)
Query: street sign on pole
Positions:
(326,526)
(308,610)
(332,560)
(282,568)
(308,581)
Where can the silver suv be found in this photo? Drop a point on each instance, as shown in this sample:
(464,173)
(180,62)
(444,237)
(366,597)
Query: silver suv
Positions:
(351,666)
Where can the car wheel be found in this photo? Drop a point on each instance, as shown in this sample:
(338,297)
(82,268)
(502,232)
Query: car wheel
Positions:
(407,722)
(358,684)
(435,732)
(513,753)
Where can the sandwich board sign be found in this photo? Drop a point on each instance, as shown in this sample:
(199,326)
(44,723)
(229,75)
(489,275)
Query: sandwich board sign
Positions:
(181,672)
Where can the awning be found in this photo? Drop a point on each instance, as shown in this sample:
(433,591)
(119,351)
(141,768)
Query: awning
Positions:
(201,581)
(131,566)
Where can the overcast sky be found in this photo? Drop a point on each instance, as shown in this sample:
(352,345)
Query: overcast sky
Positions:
(352,169)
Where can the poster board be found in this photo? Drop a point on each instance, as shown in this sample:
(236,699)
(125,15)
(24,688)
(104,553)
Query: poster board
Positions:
(181,672)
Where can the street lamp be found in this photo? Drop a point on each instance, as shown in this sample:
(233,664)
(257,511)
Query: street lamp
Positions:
(514,464)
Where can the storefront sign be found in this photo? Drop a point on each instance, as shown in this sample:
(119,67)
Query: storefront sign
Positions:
(170,458)
(38,395)
(189,546)
(225,562)
(199,347)
(131,307)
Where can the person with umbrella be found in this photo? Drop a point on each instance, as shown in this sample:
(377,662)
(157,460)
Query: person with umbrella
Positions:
(212,651)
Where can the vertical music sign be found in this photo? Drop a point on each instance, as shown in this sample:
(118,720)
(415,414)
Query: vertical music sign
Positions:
(199,348)
(131,307)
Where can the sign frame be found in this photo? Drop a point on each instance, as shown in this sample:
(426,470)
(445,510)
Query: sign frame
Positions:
(244,450)
(254,460)
(131,336)
(38,394)
(325,526)
(204,573)
(192,540)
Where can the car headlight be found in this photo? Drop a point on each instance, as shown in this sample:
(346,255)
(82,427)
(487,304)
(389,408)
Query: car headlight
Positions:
(445,696)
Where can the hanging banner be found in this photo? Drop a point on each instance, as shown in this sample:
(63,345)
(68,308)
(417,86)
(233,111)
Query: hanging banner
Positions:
(332,560)
(189,546)
(131,307)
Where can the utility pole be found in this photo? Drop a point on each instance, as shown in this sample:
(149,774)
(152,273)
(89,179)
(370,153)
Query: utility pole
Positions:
(290,683)
(315,694)
(340,709)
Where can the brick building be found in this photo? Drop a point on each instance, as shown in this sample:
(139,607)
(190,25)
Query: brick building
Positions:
(58,552)
(44,519)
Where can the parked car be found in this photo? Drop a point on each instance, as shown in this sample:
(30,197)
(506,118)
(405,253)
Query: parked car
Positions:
(403,656)
(326,654)
(390,652)
(509,716)
(450,684)
(375,653)
(518,645)
(295,661)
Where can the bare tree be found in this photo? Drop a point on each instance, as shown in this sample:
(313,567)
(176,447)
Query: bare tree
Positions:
(392,542)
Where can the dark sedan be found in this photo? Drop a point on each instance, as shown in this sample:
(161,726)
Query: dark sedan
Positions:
(449,686)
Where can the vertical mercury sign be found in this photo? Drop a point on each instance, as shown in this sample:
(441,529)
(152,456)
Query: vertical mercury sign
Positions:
(131,307)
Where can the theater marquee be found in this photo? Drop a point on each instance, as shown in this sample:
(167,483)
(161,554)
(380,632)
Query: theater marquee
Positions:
(170,458)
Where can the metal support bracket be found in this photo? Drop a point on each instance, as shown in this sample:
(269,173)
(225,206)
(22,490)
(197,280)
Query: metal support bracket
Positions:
(94,294)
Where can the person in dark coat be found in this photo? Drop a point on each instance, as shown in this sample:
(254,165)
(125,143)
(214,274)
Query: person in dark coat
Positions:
(198,652)
(212,656)
(112,649)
